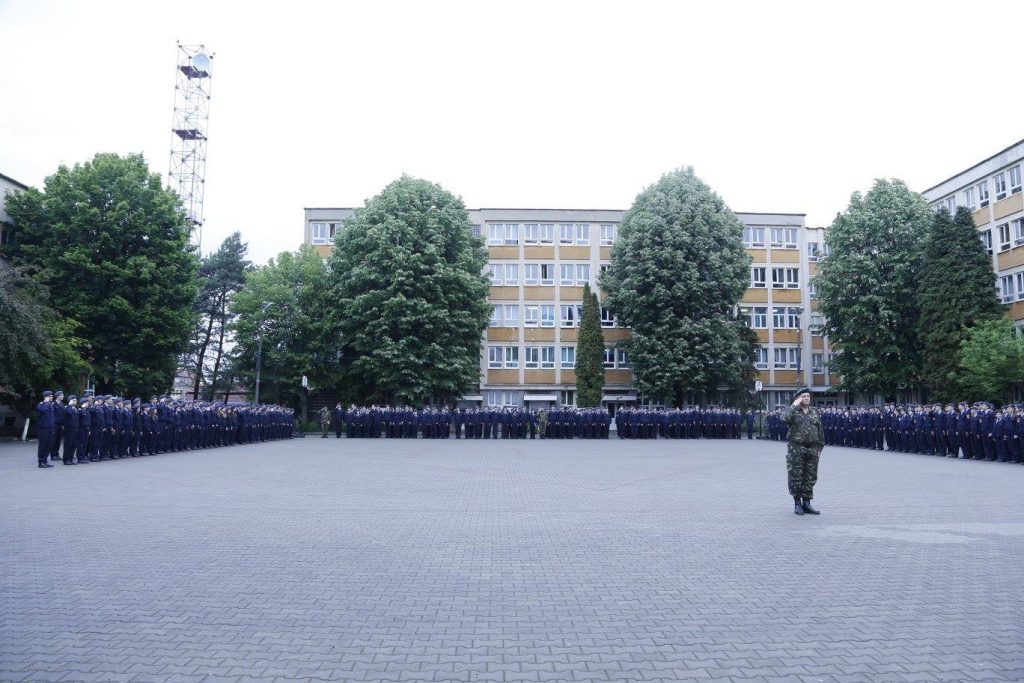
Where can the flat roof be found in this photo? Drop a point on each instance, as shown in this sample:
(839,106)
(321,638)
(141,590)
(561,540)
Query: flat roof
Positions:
(521,208)
(971,168)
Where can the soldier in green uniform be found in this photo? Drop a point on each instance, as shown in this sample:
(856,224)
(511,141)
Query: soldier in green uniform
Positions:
(806,439)
(325,422)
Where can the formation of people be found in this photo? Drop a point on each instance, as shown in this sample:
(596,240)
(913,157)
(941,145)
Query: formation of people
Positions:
(98,428)
(973,432)
(684,423)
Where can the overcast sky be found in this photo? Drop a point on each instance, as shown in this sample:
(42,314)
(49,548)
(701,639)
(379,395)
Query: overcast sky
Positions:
(780,107)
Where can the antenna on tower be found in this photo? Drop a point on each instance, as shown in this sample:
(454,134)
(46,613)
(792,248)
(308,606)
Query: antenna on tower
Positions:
(187,174)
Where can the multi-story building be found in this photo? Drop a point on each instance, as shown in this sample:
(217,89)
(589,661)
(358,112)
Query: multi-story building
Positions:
(539,261)
(7,186)
(991,189)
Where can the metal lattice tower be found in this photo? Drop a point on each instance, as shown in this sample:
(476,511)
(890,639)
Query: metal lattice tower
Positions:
(187,174)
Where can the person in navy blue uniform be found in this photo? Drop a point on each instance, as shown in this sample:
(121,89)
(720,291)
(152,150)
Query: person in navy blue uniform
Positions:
(44,428)
(338,414)
(58,425)
(84,429)
(70,430)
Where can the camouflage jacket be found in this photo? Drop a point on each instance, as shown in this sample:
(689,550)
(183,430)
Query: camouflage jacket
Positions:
(804,427)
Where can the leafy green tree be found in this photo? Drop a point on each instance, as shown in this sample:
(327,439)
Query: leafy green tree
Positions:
(991,360)
(677,271)
(410,296)
(956,291)
(111,245)
(38,348)
(866,288)
(221,276)
(590,353)
(287,302)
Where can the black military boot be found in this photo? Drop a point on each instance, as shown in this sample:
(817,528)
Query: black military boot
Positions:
(808,509)
(798,508)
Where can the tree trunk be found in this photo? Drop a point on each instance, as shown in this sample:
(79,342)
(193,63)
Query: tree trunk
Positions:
(201,358)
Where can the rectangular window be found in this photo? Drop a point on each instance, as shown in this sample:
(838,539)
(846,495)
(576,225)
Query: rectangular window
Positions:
(779,317)
(777,237)
(582,273)
(783,398)
(786,237)
(566,233)
(753,237)
(511,357)
(818,363)
(1015,179)
(982,193)
(531,357)
(794,358)
(497,315)
(761,358)
(497,272)
(607,234)
(511,274)
(812,289)
(494,357)
(1006,284)
(1004,236)
(1019,277)
(547,315)
(1017,231)
(567,397)
(778,278)
(793,278)
(511,315)
(547,233)
(951,205)
(793,318)
(780,359)
(812,251)
(757,277)
(547,357)
(531,273)
(568,316)
(760,318)
(531,315)
(568,357)
(583,234)
(607,319)
(1000,182)
(609,357)
(495,233)
(986,240)
(622,358)
(547,273)
(476,230)
(817,320)
(531,234)
(969,199)
(511,233)
(319,233)
(567,274)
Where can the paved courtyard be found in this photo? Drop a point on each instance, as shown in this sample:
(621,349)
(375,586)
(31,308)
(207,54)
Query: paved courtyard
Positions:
(507,561)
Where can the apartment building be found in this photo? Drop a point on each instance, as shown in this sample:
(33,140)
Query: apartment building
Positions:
(991,189)
(539,261)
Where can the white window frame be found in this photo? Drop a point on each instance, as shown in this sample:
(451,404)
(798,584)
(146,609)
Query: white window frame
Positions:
(531,273)
(567,316)
(547,357)
(986,240)
(812,251)
(550,279)
(607,318)
(531,315)
(318,233)
(531,357)
(1007,293)
(547,233)
(583,234)
(566,233)
(1017,231)
(547,315)
(497,272)
(565,269)
(793,317)
(779,317)
(1014,173)
(621,359)
(497,316)
(607,234)
(792,278)
(780,358)
(783,398)
(969,199)
(494,357)
(999,180)
(817,322)
(818,363)
(582,274)
(531,234)
(1004,236)
(758,282)
(753,236)
(1019,278)
(951,205)
(495,234)
(511,357)
(812,289)
(761,358)
(759,318)
(778,278)
(510,315)
(609,358)
(568,357)
(511,234)
(982,193)
(511,274)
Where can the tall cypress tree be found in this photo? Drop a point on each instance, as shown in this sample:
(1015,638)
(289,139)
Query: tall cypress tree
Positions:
(956,292)
(590,353)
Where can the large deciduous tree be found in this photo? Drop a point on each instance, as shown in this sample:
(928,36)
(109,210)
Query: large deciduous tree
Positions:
(677,271)
(590,353)
(867,288)
(112,246)
(221,276)
(410,296)
(991,360)
(287,303)
(956,291)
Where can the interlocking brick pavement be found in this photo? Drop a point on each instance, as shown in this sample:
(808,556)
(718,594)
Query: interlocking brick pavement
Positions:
(509,561)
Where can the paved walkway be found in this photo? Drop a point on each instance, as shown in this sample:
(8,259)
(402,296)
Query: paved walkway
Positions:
(509,561)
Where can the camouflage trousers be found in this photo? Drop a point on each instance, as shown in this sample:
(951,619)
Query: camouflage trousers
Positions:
(802,469)
(325,426)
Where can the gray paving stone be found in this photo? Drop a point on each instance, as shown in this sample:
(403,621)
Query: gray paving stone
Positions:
(327,560)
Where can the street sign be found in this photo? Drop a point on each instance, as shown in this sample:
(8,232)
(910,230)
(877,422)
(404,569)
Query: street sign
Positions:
(305,382)
(758,385)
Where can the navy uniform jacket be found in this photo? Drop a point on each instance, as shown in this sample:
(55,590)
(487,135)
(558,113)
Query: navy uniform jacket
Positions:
(46,418)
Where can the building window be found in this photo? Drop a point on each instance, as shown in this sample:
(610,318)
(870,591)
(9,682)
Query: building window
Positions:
(320,234)
(511,357)
(497,273)
(1006,285)
(494,357)
(986,240)
(812,289)
(547,357)
(547,315)
(511,233)
(784,237)
(761,358)
(951,205)
(753,237)
(582,273)
(757,277)
(607,234)
(1000,182)
(495,234)
(1017,231)
(566,233)
(476,230)
(531,273)
(499,399)
(504,274)
(504,315)
(531,357)
(622,359)
(817,322)
(496,316)
(607,318)
(818,363)
(511,274)
(531,315)
(780,359)
(779,317)
(609,357)
(793,318)
(568,357)
(969,199)
(1004,236)
(547,233)
(792,278)
(583,234)
(759,321)
(1019,277)
(568,397)
(812,251)
(531,233)
(569,316)
(1015,179)
(547,273)
(788,278)
(982,193)
(568,275)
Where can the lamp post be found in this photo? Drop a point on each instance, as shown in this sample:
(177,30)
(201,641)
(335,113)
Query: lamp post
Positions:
(799,345)
(259,350)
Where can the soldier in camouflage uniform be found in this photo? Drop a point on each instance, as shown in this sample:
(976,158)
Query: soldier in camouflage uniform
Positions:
(325,422)
(806,439)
